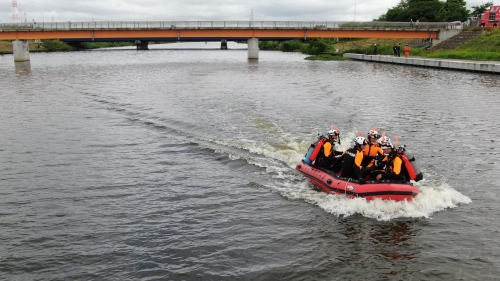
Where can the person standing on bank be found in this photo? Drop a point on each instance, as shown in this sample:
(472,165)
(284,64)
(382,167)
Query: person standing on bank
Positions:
(411,23)
(416,24)
(375,49)
(399,49)
(407,51)
(395,50)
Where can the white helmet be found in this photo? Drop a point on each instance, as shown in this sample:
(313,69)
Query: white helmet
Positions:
(333,132)
(373,134)
(383,139)
(358,141)
(386,145)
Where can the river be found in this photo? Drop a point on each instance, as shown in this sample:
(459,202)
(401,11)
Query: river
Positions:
(179,164)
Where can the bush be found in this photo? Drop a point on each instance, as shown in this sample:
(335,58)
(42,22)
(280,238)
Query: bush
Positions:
(269,45)
(56,45)
(327,57)
(96,45)
(312,47)
(292,46)
(358,51)
(315,47)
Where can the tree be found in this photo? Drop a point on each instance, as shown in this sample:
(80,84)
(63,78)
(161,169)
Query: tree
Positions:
(478,10)
(394,14)
(423,10)
(453,10)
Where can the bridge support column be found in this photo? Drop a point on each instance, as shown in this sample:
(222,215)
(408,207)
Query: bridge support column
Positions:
(141,45)
(20,50)
(253,48)
(223,44)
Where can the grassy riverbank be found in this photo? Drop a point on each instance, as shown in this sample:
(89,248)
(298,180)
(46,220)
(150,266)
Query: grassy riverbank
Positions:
(334,57)
(485,47)
(59,46)
(6,47)
(328,49)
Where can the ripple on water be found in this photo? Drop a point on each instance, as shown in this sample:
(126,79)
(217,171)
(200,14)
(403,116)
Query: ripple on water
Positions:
(179,165)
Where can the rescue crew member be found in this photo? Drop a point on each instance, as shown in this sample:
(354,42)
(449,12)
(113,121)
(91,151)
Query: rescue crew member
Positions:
(407,50)
(394,169)
(326,157)
(372,149)
(352,159)
(380,165)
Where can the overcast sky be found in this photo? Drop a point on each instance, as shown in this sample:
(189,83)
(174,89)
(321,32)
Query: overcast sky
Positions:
(200,10)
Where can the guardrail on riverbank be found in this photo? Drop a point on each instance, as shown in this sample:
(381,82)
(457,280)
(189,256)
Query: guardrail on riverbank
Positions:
(93,25)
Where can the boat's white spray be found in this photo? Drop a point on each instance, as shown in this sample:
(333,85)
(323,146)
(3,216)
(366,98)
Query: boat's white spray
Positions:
(436,195)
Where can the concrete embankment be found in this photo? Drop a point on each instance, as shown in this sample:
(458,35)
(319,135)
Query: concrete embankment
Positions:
(465,65)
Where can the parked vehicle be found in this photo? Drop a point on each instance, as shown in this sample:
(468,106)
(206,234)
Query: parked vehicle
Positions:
(490,17)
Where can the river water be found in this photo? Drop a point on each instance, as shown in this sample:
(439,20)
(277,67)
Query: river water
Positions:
(175,164)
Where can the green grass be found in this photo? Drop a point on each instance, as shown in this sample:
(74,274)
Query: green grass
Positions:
(485,47)
(487,42)
(385,50)
(96,45)
(326,57)
(55,46)
(464,55)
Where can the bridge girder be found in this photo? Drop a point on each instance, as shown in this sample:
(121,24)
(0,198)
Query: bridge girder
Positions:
(212,34)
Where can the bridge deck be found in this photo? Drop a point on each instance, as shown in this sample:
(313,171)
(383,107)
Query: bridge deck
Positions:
(214,31)
(208,35)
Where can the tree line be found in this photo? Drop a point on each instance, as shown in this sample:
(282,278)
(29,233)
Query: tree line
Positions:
(432,11)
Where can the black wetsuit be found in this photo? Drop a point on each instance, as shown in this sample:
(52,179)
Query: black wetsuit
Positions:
(326,156)
(351,167)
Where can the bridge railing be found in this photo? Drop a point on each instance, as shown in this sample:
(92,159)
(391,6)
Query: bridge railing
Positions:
(94,25)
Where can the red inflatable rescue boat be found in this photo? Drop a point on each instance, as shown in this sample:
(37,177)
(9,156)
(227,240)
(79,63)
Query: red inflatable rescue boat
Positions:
(331,182)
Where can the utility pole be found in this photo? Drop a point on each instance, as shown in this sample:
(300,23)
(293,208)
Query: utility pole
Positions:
(251,17)
(354,12)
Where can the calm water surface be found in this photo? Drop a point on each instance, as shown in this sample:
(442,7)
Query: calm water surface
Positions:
(175,164)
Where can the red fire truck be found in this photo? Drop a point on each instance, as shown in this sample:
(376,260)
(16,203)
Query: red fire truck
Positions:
(490,17)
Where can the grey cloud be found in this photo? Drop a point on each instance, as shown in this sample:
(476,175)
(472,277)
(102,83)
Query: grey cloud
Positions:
(197,10)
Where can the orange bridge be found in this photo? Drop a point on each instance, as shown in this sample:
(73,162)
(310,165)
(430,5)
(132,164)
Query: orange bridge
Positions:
(215,30)
(252,31)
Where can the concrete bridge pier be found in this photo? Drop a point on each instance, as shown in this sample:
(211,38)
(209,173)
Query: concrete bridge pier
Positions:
(253,48)
(223,44)
(20,50)
(141,45)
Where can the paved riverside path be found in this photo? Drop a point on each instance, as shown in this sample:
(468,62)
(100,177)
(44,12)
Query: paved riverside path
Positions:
(452,64)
